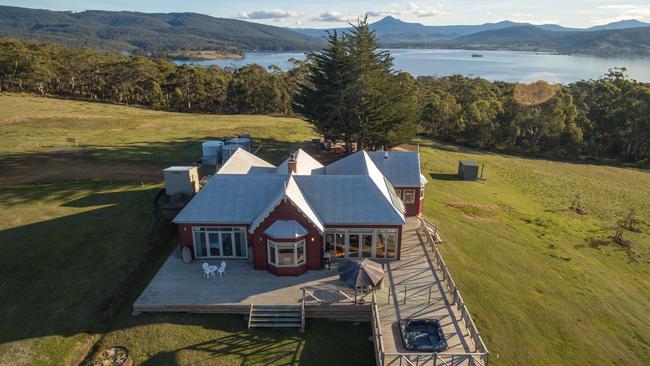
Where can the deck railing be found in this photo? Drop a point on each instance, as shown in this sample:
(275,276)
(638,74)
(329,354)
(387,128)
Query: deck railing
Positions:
(376,331)
(456,299)
(334,295)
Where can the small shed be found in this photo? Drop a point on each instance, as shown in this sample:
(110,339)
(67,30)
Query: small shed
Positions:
(468,170)
(181,179)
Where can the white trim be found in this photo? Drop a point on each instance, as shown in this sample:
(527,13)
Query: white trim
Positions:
(206,230)
(363,231)
(275,245)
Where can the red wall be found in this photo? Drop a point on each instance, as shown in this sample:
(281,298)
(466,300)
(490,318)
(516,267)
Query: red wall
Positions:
(413,209)
(286,211)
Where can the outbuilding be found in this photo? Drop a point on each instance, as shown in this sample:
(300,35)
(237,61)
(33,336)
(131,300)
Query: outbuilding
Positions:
(468,170)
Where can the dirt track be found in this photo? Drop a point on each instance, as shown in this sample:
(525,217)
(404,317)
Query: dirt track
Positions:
(62,165)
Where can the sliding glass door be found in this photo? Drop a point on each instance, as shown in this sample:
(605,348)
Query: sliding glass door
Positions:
(351,243)
(220,242)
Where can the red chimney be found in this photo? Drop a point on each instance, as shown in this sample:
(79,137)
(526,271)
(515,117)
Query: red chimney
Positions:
(292,165)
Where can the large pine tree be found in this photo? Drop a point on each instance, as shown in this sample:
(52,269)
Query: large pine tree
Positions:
(352,93)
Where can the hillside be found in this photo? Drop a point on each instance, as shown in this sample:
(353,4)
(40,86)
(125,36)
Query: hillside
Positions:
(615,42)
(543,283)
(144,32)
(629,37)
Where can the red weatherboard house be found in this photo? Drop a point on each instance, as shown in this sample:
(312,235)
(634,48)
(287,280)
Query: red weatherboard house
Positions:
(285,218)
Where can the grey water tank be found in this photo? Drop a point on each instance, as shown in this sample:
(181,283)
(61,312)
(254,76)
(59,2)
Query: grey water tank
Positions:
(212,152)
(243,142)
(227,150)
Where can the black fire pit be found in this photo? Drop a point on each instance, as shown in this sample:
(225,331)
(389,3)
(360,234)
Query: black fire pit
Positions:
(422,335)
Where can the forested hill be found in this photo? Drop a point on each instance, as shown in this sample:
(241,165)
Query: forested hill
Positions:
(133,31)
(632,41)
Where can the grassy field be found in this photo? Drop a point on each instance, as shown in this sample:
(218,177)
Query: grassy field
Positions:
(79,241)
(544,284)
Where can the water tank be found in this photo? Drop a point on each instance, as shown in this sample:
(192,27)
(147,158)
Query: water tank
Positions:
(227,150)
(212,152)
(243,142)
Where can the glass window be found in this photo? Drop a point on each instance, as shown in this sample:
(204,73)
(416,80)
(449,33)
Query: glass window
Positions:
(398,192)
(366,245)
(272,253)
(329,243)
(340,244)
(391,245)
(422,193)
(220,241)
(215,245)
(380,245)
(199,242)
(409,196)
(301,253)
(286,254)
(353,245)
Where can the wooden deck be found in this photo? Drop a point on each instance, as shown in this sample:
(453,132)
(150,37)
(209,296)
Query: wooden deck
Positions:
(416,286)
(415,289)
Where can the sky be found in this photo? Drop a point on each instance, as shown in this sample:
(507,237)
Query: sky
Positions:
(336,13)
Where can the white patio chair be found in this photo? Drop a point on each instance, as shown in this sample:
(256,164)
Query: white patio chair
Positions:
(222,269)
(209,270)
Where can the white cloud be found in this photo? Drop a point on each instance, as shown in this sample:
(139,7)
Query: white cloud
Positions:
(619,12)
(268,14)
(383,12)
(424,11)
(334,16)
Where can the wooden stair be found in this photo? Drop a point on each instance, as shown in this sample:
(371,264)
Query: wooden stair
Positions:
(276,316)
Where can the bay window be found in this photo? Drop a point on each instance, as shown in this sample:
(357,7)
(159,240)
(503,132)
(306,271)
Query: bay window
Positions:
(286,254)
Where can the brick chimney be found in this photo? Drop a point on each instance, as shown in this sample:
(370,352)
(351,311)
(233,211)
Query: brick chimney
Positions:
(292,165)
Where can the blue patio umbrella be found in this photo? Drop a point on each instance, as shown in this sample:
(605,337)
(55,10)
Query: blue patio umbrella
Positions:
(361,273)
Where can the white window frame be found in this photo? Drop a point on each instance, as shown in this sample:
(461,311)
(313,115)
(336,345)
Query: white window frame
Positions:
(220,230)
(422,193)
(410,202)
(364,231)
(275,245)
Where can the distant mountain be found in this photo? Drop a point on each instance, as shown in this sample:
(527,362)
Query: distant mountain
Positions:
(133,31)
(616,39)
(623,24)
(616,42)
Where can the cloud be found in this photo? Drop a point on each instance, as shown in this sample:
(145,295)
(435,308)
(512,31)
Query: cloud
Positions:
(334,16)
(623,12)
(277,14)
(424,11)
(383,12)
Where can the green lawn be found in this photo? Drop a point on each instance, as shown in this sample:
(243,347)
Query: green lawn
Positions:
(543,283)
(540,294)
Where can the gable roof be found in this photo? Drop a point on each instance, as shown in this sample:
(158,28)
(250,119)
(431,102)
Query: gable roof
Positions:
(401,168)
(305,164)
(286,229)
(292,192)
(243,162)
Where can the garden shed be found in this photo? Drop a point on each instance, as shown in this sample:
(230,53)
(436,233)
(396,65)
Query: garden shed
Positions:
(468,170)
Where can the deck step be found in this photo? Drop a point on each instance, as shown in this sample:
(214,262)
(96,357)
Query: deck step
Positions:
(276,316)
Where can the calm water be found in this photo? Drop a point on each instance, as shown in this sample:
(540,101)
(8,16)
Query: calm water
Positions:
(494,65)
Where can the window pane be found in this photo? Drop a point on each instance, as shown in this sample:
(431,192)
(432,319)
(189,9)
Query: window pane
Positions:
(340,244)
(215,245)
(353,248)
(227,244)
(329,243)
(301,253)
(381,245)
(200,245)
(391,245)
(366,249)
(240,243)
(272,254)
(409,196)
(285,256)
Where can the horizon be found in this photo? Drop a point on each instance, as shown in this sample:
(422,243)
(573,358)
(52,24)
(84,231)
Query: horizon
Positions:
(336,14)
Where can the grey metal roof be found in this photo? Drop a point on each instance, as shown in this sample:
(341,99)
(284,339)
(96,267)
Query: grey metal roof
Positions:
(469,163)
(401,168)
(348,200)
(305,164)
(286,229)
(243,162)
(232,198)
